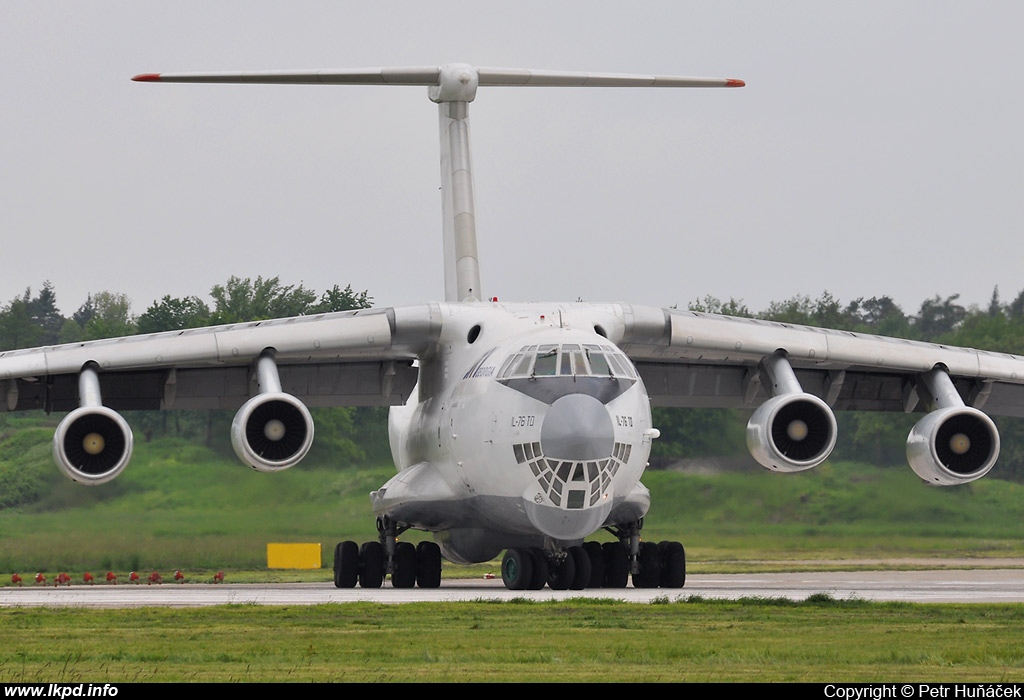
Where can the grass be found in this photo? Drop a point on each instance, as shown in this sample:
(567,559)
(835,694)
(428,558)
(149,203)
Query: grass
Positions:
(754,640)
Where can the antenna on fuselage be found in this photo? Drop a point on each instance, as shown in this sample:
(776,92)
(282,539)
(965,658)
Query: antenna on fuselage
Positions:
(452,86)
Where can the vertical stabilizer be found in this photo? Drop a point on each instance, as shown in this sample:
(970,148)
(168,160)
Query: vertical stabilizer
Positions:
(455,90)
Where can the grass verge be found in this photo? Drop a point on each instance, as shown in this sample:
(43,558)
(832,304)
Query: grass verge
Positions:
(753,640)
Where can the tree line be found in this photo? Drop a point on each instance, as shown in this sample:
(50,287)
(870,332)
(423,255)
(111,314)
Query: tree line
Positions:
(33,320)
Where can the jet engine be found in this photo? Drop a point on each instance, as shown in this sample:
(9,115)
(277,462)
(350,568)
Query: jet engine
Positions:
(272,431)
(952,446)
(92,445)
(791,432)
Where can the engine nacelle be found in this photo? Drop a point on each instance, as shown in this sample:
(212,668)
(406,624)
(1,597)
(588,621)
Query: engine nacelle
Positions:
(272,431)
(791,432)
(92,445)
(952,446)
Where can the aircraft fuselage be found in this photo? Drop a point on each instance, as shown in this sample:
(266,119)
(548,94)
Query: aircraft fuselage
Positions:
(529,425)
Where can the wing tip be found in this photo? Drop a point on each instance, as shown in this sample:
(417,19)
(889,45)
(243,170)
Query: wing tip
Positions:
(147,78)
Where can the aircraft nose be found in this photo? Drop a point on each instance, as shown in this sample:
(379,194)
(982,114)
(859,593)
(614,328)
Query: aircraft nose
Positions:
(577,427)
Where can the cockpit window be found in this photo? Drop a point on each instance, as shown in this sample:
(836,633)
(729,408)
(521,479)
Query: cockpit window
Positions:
(598,364)
(568,360)
(547,361)
(620,368)
(522,365)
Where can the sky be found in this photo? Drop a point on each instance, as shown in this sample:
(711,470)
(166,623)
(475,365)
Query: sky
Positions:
(876,150)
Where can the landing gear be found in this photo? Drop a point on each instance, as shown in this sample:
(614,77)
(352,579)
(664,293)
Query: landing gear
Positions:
(673,564)
(403,566)
(371,575)
(596,555)
(428,565)
(562,571)
(616,565)
(346,564)
(598,565)
(661,565)
(368,565)
(517,569)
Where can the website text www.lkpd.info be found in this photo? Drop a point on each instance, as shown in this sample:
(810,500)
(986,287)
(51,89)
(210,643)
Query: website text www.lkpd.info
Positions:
(61,690)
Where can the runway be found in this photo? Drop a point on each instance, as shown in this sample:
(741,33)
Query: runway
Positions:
(932,586)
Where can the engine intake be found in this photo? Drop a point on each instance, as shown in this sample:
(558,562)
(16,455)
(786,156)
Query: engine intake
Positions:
(272,431)
(791,432)
(952,446)
(92,445)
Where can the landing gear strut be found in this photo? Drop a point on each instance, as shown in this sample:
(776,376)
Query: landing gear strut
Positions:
(408,564)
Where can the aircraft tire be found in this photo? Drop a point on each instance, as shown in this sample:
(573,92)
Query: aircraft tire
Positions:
(371,573)
(596,556)
(649,575)
(581,566)
(616,565)
(428,565)
(346,564)
(673,564)
(561,575)
(540,569)
(516,569)
(403,574)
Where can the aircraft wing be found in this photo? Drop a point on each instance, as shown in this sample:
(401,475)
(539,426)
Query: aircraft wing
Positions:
(361,357)
(693,359)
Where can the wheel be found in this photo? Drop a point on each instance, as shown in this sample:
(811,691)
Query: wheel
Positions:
(649,575)
(596,556)
(562,574)
(346,564)
(581,566)
(616,565)
(540,569)
(371,571)
(673,564)
(516,569)
(403,570)
(428,565)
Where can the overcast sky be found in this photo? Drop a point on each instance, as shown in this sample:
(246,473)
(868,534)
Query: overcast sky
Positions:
(876,150)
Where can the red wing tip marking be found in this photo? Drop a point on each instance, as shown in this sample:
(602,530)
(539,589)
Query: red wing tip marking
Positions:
(731,82)
(147,78)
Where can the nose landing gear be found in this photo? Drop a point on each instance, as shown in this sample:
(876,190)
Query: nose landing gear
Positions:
(598,565)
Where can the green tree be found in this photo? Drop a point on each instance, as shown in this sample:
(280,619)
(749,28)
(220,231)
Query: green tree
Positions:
(174,314)
(875,437)
(879,315)
(45,314)
(111,316)
(241,300)
(713,305)
(337,299)
(336,439)
(17,327)
(698,432)
(938,317)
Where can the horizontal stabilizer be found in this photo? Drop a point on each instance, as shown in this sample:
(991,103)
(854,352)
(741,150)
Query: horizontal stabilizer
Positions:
(431,76)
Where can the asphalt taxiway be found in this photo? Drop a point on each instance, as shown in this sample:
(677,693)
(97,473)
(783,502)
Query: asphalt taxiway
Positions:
(925,586)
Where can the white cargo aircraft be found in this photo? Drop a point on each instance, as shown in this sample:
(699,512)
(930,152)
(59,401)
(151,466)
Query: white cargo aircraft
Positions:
(516,427)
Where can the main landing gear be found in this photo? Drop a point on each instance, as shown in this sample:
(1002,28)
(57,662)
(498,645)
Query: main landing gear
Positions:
(408,564)
(597,565)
